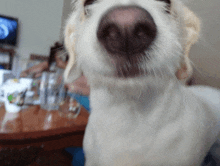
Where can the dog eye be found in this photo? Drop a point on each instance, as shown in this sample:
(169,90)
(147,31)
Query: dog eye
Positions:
(88,2)
(167,1)
(86,6)
(168,4)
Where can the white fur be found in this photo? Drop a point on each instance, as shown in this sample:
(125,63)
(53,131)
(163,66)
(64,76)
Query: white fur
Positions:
(149,120)
(96,59)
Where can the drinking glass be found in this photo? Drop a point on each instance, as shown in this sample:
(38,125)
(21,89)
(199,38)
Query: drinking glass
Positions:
(52,90)
(70,107)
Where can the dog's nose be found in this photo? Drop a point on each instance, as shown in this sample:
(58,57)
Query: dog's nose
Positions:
(126,30)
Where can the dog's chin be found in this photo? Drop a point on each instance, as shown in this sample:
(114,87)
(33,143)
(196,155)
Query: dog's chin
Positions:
(127,66)
(131,72)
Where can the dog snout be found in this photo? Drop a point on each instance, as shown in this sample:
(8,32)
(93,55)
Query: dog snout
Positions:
(126,30)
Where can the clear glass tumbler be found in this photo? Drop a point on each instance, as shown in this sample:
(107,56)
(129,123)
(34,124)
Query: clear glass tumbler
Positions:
(70,107)
(52,91)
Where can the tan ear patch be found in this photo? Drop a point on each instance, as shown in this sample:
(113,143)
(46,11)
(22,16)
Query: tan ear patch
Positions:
(185,71)
(192,23)
(77,17)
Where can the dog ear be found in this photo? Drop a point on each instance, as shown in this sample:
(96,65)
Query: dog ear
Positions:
(73,71)
(192,25)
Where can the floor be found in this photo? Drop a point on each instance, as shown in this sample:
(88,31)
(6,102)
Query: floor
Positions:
(55,158)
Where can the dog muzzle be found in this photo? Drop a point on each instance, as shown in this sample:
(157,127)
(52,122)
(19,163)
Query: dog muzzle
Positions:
(125,31)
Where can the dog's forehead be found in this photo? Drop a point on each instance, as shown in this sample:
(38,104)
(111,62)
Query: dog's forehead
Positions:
(89,2)
(101,6)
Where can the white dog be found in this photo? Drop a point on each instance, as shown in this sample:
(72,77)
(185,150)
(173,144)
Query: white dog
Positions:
(131,51)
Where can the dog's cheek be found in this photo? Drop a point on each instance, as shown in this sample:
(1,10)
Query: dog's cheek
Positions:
(91,56)
(91,59)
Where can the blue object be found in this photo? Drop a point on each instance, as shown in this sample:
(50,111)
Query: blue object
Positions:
(83,100)
(77,152)
(78,155)
(1,67)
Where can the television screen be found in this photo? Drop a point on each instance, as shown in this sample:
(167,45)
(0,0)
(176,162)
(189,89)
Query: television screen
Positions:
(8,30)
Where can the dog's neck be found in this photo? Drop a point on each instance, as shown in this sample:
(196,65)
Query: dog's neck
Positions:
(145,92)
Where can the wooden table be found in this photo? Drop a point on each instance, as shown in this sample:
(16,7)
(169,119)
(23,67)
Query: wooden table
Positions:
(24,135)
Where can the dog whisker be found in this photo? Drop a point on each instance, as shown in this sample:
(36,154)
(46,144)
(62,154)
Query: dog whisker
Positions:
(196,68)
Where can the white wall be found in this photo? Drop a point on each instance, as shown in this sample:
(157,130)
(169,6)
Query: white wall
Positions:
(39,24)
(206,53)
(67,9)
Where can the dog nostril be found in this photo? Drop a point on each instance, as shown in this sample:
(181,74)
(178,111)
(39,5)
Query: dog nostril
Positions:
(111,31)
(111,38)
(126,30)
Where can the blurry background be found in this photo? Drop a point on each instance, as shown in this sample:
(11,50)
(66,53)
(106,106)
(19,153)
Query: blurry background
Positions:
(206,53)
(41,23)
